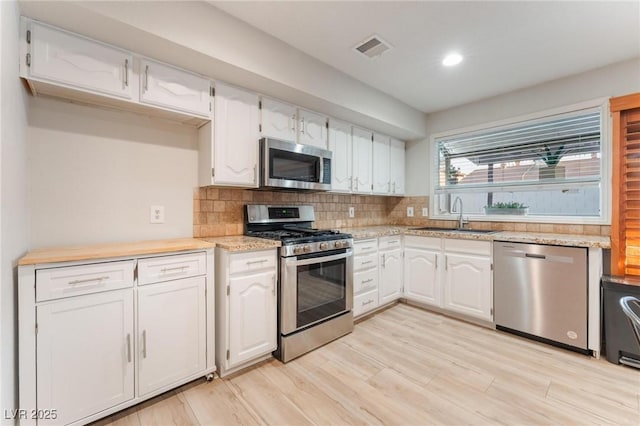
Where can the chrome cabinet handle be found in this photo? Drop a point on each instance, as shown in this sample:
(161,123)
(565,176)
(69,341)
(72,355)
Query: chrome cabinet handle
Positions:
(88,280)
(293,123)
(384,260)
(175,268)
(368,302)
(436,261)
(255,172)
(126,72)
(367,262)
(446,263)
(389,186)
(251,262)
(367,281)
(128,347)
(146,77)
(144,343)
(302,125)
(394,187)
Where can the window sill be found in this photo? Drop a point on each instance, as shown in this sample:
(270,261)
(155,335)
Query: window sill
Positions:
(529,218)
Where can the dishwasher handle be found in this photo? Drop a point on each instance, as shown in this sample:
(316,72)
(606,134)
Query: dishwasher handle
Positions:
(535,256)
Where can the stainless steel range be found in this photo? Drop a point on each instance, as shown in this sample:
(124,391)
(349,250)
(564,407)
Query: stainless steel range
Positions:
(315,285)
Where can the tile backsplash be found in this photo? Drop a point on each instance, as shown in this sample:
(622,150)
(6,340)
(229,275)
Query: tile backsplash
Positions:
(219,211)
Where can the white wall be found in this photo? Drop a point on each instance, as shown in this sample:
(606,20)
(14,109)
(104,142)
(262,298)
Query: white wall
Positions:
(614,80)
(200,37)
(95,173)
(14,214)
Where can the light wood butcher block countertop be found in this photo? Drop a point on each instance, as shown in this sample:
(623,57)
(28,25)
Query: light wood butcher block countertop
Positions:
(103,251)
(243,243)
(572,240)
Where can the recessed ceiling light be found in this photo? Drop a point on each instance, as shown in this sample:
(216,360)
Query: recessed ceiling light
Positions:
(452,59)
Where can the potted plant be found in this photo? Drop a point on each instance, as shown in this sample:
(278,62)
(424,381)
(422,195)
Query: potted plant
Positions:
(513,208)
(551,159)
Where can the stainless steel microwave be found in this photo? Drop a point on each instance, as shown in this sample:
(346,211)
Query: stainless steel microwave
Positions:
(293,166)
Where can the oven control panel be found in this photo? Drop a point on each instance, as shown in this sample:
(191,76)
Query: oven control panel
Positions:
(315,247)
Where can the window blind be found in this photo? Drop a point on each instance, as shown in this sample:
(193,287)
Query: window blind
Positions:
(562,149)
(625,233)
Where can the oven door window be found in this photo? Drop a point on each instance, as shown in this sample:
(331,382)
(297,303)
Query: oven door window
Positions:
(321,291)
(288,165)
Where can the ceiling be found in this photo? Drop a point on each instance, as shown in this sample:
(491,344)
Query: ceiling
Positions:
(506,45)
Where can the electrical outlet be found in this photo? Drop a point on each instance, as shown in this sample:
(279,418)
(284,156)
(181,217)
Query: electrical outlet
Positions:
(352,212)
(156,214)
(409,211)
(425,212)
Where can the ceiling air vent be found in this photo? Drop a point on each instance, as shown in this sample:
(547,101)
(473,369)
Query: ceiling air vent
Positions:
(373,47)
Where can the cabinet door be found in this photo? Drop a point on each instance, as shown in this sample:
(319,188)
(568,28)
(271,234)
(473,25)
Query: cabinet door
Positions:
(165,86)
(362,161)
(381,182)
(85,354)
(171,332)
(278,120)
(236,136)
(252,317)
(340,145)
(396,166)
(312,129)
(390,283)
(421,280)
(78,62)
(467,286)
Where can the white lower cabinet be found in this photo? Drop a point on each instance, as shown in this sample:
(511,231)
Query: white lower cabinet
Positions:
(421,277)
(246,285)
(365,276)
(391,266)
(96,339)
(450,274)
(468,279)
(171,332)
(85,359)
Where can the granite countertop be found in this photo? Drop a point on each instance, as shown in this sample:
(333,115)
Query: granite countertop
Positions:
(243,243)
(522,237)
(103,251)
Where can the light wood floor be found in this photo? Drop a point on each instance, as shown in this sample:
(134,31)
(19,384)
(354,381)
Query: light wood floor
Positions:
(406,366)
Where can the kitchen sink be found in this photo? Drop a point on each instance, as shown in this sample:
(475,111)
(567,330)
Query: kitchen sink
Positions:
(463,230)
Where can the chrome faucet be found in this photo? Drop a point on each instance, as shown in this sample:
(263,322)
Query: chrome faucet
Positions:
(461,220)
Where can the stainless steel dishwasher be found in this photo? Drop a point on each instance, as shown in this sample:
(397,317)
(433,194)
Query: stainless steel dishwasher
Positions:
(540,291)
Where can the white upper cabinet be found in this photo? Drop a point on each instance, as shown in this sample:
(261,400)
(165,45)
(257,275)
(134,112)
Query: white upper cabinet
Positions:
(362,161)
(63,58)
(396,166)
(340,145)
(231,159)
(278,120)
(312,129)
(169,87)
(381,182)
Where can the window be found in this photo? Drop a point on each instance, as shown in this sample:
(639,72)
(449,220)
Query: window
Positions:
(625,226)
(544,169)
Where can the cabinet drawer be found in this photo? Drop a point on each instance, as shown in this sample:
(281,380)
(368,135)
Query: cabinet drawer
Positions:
(165,268)
(252,261)
(365,246)
(365,262)
(365,302)
(422,242)
(390,243)
(56,283)
(468,246)
(365,281)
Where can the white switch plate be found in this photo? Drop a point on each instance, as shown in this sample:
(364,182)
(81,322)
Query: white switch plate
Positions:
(409,211)
(156,214)
(352,212)
(425,212)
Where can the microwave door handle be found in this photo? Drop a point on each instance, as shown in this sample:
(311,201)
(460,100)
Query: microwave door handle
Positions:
(321,165)
(320,259)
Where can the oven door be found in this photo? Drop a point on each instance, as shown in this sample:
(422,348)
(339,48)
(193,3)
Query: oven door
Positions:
(290,165)
(315,287)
